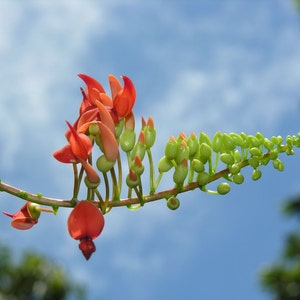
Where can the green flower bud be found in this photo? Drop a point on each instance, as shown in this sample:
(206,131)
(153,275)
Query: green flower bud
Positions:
(197,165)
(205,152)
(34,210)
(256,174)
(234,169)
(127,140)
(91,185)
(132,180)
(277,140)
(181,172)
(119,127)
(237,156)
(238,140)
(227,158)
(254,162)
(203,178)
(254,151)
(171,148)
(103,164)
(217,142)
(268,144)
(137,166)
(164,165)
(246,141)
(260,137)
(278,164)
(150,133)
(273,154)
(223,188)
(253,141)
(204,138)
(238,178)
(193,145)
(228,142)
(183,152)
(94,129)
(173,203)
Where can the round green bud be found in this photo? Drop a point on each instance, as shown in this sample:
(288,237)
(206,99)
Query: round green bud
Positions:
(137,166)
(237,156)
(268,144)
(238,178)
(227,158)
(103,164)
(132,180)
(278,164)
(34,210)
(228,142)
(234,169)
(277,140)
(238,140)
(223,188)
(205,152)
(193,145)
(89,184)
(260,137)
(256,174)
(253,141)
(173,203)
(164,165)
(203,178)
(127,140)
(273,154)
(197,165)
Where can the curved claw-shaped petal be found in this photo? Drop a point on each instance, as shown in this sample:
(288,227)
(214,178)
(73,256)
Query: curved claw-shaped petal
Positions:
(65,155)
(124,101)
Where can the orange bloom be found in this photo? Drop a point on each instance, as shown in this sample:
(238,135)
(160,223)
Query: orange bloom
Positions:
(25,218)
(85,223)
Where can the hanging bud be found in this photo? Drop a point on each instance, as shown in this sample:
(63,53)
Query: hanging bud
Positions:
(197,165)
(173,203)
(103,164)
(223,188)
(164,165)
(132,179)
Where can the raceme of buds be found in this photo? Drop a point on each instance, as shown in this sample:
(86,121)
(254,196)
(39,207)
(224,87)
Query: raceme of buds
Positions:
(85,223)
(26,217)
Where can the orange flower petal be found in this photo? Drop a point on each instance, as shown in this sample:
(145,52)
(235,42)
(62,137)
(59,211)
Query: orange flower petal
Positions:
(65,155)
(115,85)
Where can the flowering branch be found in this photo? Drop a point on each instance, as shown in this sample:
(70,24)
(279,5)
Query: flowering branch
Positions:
(107,124)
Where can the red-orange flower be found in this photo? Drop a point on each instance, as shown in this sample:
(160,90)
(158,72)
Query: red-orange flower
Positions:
(26,217)
(121,102)
(85,223)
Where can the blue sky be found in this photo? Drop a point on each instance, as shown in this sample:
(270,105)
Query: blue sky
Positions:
(197,66)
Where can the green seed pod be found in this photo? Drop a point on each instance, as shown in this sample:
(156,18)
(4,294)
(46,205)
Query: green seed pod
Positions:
(203,178)
(193,145)
(223,188)
(183,152)
(238,178)
(256,174)
(180,172)
(254,162)
(173,203)
(205,152)
(171,148)
(164,165)
(89,184)
(103,164)
(127,140)
(217,142)
(227,158)
(197,165)
(204,138)
(34,210)
(234,169)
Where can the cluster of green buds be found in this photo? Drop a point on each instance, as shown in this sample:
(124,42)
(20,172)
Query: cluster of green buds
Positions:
(197,161)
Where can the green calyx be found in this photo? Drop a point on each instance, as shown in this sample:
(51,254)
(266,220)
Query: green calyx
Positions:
(173,203)
(34,210)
